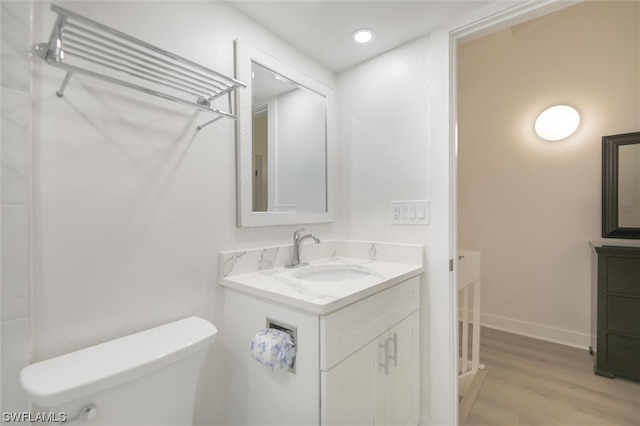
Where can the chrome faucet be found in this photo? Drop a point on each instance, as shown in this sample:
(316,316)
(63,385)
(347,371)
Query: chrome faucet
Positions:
(297,245)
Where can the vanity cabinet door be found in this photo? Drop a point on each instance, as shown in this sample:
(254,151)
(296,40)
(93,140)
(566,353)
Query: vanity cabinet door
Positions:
(380,383)
(402,383)
(351,389)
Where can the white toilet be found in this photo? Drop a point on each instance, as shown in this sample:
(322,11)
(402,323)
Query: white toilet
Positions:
(147,378)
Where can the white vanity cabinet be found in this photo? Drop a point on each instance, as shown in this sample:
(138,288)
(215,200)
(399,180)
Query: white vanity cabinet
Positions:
(370,359)
(356,365)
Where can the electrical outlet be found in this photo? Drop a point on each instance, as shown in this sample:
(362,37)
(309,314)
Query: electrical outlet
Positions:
(395,213)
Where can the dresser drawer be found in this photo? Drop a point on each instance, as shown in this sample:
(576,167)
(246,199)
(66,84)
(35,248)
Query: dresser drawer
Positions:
(345,331)
(623,354)
(623,275)
(623,315)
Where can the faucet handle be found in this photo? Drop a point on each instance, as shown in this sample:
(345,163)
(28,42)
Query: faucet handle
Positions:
(297,233)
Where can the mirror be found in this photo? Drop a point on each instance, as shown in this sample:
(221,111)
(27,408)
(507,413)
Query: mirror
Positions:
(621,186)
(285,149)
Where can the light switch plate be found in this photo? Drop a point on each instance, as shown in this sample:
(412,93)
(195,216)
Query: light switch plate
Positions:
(411,212)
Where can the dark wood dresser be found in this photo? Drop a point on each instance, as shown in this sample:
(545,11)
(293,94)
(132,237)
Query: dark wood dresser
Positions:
(616,310)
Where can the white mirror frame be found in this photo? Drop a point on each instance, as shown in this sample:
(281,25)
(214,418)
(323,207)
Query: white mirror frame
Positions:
(245,55)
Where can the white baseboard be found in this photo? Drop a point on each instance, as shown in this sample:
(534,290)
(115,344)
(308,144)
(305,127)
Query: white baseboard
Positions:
(537,331)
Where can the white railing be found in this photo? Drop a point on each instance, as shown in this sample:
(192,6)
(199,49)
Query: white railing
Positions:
(469,282)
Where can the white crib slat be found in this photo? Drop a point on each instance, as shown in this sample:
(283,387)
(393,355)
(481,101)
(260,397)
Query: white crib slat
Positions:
(475,345)
(465,330)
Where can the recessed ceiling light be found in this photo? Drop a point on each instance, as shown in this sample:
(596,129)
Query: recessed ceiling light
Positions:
(363,35)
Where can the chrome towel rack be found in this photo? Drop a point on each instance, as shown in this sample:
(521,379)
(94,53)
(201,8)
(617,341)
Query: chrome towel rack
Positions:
(81,45)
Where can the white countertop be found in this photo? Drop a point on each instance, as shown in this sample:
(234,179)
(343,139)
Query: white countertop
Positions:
(280,285)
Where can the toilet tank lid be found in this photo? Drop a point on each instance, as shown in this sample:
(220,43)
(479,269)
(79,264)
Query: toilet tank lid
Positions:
(87,371)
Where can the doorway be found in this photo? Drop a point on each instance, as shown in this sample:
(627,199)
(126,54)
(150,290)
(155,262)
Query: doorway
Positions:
(561,175)
(442,361)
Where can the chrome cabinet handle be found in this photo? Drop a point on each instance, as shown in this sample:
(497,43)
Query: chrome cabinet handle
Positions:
(395,349)
(385,345)
(385,364)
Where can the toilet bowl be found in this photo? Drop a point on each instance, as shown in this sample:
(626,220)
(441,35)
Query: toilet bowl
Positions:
(147,378)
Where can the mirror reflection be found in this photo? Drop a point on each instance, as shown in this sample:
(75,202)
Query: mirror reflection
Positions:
(621,186)
(288,144)
(629,186)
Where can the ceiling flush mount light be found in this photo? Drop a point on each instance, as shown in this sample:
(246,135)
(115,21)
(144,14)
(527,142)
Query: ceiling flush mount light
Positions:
(363,35)
(557,123)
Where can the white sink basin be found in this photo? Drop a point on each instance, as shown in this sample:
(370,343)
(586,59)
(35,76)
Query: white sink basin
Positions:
(331,273)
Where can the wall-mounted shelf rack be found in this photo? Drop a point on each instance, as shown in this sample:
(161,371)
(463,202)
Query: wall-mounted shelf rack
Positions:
(81,45)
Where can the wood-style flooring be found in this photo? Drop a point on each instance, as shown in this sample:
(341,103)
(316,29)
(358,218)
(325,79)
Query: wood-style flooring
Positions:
(533,382)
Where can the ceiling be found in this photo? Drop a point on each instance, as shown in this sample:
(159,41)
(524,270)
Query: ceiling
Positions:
(322,28)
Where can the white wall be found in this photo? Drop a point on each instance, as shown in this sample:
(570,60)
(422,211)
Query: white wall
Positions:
(15,200)
(132,205)
(532,206)
(383,142)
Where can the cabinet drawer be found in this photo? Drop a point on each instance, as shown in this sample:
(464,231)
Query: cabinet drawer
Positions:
(623,356)
(623,275)
(345,331)
(623,315)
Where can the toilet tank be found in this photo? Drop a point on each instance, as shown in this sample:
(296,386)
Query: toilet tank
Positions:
(147,378)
